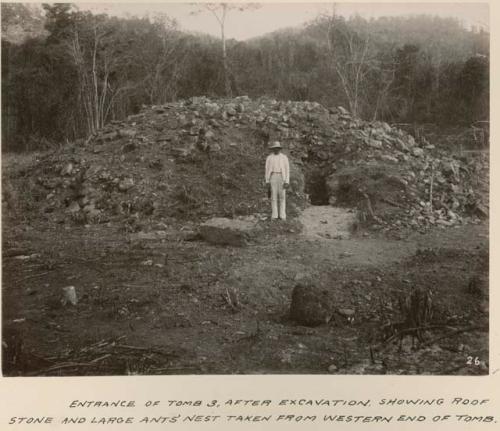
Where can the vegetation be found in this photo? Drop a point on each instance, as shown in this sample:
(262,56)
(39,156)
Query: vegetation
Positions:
(68,72)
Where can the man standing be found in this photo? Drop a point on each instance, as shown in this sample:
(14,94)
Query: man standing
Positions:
(277,180)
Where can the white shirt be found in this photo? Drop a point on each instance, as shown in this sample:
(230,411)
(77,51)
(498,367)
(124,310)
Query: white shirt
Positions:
(277,163)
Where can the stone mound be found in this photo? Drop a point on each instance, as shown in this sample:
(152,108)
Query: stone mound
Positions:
(201,158)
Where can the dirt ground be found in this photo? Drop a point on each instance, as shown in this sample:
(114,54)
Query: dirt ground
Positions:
(160,306)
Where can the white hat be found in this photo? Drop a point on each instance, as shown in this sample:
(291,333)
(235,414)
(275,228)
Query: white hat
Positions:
(275,144)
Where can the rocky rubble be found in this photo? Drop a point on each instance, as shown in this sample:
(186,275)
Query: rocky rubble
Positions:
(202,158)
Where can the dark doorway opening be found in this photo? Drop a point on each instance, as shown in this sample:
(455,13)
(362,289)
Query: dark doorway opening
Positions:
(317,189)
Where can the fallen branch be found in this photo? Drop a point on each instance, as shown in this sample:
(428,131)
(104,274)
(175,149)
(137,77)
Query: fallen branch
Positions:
(457,332)
(15,253)
(390,202)
(414,330)
(32,276)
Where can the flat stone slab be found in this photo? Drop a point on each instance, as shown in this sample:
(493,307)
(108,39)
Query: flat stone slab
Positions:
(225,231)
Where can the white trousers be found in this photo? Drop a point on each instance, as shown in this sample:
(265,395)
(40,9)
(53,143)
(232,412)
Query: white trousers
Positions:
(278,193)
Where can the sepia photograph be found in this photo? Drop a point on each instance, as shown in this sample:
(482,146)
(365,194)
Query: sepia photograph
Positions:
(245,188)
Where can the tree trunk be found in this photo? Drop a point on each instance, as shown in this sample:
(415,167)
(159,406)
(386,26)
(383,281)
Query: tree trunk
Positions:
(227,81)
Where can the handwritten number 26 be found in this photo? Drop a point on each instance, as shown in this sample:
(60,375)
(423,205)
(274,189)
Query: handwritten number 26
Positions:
(473,361)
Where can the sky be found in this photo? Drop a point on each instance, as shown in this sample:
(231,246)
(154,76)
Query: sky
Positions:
(273,16)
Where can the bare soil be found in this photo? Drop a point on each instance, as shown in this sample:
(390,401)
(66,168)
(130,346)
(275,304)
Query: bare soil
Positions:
(171,306)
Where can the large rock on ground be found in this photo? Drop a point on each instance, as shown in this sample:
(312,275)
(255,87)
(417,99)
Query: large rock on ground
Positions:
(310,306)
(224,231)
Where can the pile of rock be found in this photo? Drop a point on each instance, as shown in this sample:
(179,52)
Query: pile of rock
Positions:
(202,158)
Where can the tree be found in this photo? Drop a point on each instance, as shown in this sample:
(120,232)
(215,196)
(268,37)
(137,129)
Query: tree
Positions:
(407,58)
(102,53)
(220,12)
(474,84)
(164,57)
(348,57)
(58,21)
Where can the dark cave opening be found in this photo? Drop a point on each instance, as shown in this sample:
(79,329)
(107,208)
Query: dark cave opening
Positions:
(317,189)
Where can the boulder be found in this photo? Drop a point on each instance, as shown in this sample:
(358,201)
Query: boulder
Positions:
(224,231)
(310,305)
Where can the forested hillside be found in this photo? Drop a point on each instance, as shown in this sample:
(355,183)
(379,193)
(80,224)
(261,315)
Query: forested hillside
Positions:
(66,73)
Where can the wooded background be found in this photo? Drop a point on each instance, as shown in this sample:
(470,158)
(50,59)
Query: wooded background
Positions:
(66,73)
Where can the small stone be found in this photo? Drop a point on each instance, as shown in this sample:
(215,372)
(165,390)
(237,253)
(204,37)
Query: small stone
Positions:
(67,170)
(418,152)
(346,312)
(125,184)
(93,214)
(342,110)
(73,207)
(98,149)
(231,110)
(69,295)
(332,369)
(374,143)
(215,147)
